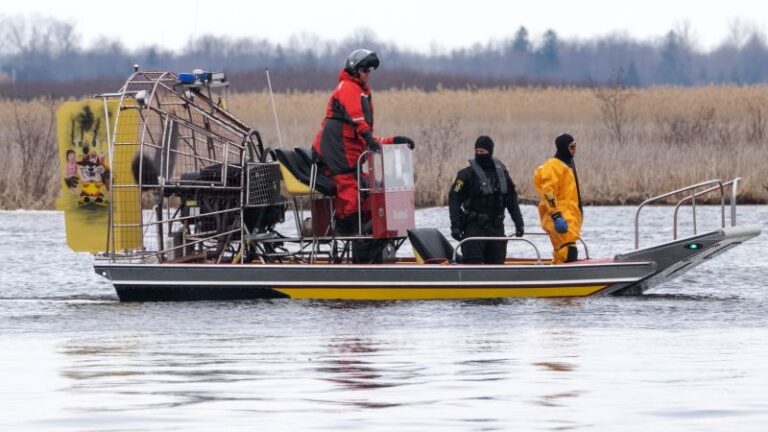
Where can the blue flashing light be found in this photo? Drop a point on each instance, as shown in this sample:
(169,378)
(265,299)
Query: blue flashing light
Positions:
(185,78)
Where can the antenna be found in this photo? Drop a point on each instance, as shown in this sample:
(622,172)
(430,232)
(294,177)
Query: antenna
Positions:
(194,28)
(274,109)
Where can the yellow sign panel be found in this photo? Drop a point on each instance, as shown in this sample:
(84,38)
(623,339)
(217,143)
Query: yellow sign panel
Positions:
(90,184)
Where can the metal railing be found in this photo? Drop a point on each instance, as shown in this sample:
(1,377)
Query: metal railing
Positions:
(513,238)
(470,239)
(692,198)
(360,190)
(718,185)
(580,240)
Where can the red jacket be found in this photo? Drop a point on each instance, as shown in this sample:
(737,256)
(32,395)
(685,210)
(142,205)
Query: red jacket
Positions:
(348,116)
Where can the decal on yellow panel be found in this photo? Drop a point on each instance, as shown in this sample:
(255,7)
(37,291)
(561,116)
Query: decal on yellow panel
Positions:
(89,177)
(421,293)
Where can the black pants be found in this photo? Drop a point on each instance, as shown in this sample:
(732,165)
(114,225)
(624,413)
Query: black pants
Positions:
(484,251)
(363,251)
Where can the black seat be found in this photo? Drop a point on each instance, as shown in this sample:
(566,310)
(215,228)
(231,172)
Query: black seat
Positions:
(301,167)
(304,153)
(430,246)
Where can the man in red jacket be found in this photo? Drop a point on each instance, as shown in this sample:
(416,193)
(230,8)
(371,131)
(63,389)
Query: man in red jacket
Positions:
(347,131)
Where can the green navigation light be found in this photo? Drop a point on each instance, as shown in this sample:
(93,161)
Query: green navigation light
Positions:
(693,246)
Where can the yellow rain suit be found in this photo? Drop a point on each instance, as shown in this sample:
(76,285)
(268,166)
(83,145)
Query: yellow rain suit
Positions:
(555,183)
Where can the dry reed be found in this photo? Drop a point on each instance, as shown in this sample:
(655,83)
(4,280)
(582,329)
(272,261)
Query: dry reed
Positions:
(673,136)
(29,177)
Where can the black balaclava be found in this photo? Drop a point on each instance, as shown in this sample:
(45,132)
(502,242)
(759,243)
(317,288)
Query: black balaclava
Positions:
(562,142)
(484,142)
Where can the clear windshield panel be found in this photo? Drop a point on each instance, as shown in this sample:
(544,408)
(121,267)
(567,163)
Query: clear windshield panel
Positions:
(398,167)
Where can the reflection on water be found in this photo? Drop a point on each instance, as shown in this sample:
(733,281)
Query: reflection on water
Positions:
(556,366)
(557,399)
(687,357)
(346,366)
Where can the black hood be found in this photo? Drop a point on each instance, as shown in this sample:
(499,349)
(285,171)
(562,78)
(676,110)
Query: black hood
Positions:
(562,142)
(486,160)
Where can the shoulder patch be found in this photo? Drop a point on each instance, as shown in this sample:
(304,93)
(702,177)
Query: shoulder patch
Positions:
(458,185)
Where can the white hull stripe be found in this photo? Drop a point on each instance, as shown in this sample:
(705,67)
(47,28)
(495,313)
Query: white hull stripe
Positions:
(390,267)
(457,285)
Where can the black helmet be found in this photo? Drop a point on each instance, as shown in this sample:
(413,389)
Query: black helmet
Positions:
(361,58)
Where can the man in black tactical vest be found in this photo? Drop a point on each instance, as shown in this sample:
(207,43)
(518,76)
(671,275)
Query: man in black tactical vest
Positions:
(476,204)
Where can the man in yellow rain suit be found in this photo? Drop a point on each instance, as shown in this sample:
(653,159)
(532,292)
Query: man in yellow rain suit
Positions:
(557,184)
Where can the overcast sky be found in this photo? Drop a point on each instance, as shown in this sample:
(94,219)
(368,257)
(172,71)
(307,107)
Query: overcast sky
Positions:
(414,24)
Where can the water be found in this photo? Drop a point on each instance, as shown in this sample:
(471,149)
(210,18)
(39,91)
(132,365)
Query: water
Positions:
(689,356)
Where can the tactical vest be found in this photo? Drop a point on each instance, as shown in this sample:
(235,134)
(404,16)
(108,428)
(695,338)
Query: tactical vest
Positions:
(486,201)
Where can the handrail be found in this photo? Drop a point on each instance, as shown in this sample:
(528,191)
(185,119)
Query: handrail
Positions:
(312,184)
(734,190)
(360,189)
(675,192)
(583,243)
(469,239)
(313,174)
(734,187)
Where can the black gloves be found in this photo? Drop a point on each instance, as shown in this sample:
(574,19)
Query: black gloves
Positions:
(373,146)
(404,140)
(519,231)
(376,147)
(456,234)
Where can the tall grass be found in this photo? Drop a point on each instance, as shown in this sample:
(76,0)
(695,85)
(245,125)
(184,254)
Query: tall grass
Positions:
(672,136)
(29,172)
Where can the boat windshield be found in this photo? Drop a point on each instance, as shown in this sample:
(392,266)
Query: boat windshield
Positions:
(393,169)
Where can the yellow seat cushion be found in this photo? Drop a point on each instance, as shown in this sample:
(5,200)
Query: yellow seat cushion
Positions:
(292,185)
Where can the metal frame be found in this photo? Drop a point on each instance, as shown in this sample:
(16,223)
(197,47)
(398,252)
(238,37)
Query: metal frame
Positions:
(580,240)
(719,185)
(734,188)
(229,137)
(471,239)
(360,191)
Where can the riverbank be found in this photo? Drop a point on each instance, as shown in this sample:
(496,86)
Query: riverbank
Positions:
(633,143)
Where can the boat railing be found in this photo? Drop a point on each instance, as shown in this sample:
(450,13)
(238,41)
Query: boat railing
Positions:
(693,191)
(580,240)
(454,258)
(734,184)
(361,190)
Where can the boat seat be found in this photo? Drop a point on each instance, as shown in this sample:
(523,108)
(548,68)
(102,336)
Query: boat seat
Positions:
(296,169)
(304,153)
(430,246)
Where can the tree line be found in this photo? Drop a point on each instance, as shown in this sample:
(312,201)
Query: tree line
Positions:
(44,56)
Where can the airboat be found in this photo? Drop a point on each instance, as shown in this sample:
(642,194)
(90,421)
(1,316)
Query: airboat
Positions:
(178,199)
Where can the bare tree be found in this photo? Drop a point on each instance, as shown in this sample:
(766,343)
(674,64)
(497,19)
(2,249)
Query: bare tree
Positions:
(614,99)
(45,50)
(33,133)
(38,35)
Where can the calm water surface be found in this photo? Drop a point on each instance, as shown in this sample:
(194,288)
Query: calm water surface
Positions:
(689,356)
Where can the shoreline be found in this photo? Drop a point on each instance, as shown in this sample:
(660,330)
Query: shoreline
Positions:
(706,204)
